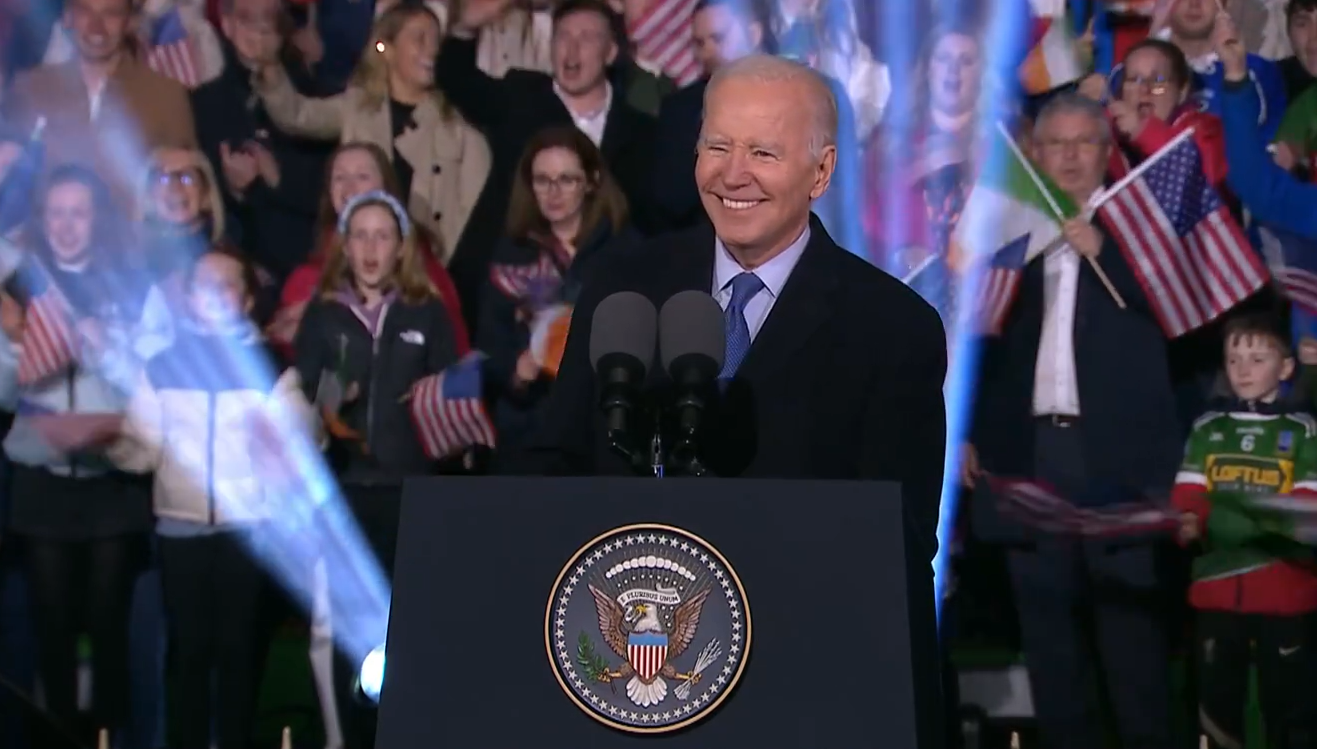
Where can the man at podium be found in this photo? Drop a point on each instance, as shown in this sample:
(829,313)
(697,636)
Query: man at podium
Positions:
(832,369)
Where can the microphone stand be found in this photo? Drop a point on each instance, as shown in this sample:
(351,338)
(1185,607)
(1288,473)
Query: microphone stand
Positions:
(656,454)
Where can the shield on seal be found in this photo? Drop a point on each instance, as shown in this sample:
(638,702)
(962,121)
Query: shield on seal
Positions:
(647,653)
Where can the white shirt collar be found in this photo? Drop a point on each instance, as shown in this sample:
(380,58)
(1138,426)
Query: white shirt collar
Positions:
(773,274)
(591,124)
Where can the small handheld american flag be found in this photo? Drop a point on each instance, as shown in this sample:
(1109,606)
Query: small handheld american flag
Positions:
(169,50)
(1179,238)
(663,38)
(49,341)
(1293,262)
(529,285)
(1038,505)
(999,284)
(449,411)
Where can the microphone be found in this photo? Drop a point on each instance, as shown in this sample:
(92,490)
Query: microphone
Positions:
(622,337)
(692,343)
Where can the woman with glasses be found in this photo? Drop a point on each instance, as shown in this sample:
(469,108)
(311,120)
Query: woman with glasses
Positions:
(1152,102)
(182,215)
(566,216)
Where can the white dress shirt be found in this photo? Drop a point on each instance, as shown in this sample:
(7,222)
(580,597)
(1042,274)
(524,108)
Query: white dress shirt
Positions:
(773,274)
(1056,386)
(591,124)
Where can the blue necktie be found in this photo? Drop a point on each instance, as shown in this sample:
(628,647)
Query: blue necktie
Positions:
(744,287)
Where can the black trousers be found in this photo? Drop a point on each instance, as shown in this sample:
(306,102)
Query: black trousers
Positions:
(1091,615)
(1227,644)
(376,510)
(76,587)
(212,592)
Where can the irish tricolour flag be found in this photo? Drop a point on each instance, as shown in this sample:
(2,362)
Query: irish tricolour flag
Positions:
(1012,214)
(1054,53)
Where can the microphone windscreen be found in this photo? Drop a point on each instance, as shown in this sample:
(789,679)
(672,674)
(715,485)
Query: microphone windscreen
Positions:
(691,323)
(624,323)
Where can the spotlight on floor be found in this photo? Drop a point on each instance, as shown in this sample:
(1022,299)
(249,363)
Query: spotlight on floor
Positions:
(371,678)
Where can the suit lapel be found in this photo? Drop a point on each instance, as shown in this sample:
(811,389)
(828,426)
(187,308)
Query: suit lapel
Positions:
(692,263)
(804,305)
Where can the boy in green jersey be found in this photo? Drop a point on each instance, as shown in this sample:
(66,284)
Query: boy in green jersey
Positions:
(1254,588)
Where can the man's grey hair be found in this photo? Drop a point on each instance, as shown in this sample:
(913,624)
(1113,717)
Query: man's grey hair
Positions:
(770,69)
(1072,103)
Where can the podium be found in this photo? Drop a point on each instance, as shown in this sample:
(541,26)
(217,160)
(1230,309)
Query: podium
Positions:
(521,614)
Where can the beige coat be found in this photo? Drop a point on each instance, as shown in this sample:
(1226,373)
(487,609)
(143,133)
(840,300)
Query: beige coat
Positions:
(140,110)
(450,159)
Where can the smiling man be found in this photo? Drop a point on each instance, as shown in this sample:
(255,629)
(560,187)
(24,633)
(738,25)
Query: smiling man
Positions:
(833,369)
(105,109)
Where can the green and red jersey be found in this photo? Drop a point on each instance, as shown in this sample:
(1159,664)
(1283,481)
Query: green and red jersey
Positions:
(1245,565)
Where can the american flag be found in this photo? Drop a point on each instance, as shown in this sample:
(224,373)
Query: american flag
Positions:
(529,284)
(1293,262)
(999,284)
(663,38)
(448,409)
(1038,505)
(1187,251)
(169,50)
(48,338)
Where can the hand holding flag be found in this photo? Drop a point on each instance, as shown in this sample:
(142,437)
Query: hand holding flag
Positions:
(548,337)
(1039,505)
(448,409)
(1186,250)
(49,342)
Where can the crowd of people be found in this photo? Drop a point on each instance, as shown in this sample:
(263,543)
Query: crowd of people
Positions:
(226,225)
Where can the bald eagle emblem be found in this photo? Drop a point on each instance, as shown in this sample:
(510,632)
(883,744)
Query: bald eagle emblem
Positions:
(648,628)
(636,632)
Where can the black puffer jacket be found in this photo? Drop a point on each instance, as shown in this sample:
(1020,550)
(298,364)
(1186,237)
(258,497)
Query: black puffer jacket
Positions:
(413,340)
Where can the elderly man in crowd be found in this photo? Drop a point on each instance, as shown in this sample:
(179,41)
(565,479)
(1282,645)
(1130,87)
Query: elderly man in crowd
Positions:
(1076,393)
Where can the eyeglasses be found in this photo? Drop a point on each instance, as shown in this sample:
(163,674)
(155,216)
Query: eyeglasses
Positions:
(1084,145)
(185,177)
(1155,85)
(545,183)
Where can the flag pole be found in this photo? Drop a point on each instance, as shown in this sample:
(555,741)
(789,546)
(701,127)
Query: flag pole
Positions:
(1056,209)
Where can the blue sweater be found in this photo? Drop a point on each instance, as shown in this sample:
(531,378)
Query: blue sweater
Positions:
(1270,193)
(1267,82)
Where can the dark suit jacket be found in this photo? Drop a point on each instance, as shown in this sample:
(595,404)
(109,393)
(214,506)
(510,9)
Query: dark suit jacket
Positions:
(1130,426)
(275,225)
(844,380)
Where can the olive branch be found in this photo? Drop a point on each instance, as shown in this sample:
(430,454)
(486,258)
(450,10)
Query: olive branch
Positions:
(591,662)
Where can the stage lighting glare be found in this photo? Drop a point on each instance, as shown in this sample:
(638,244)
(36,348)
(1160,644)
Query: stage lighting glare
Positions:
(371,678)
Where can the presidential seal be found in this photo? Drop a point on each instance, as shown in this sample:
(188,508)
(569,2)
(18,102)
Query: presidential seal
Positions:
(647,628)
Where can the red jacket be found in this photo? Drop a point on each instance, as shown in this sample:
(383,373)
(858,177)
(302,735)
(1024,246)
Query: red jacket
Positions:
(1278,589)
(302,282)
(1208,134)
